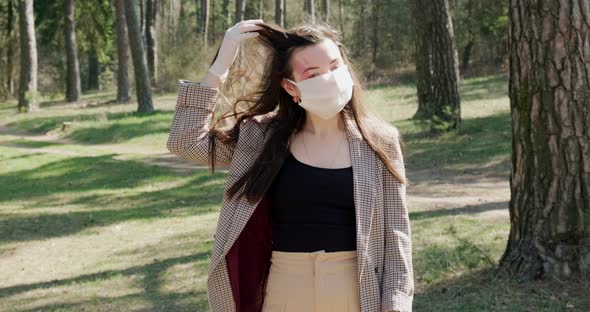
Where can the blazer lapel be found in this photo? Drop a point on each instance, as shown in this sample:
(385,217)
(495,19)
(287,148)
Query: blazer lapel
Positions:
(365,171)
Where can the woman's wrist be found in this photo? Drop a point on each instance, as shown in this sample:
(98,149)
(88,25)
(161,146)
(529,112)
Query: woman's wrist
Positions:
(211,80)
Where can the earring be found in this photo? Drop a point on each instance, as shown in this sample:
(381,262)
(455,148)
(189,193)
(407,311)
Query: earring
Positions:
(296,99)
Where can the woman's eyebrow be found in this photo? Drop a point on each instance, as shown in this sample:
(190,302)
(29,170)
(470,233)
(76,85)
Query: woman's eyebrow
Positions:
(315,67)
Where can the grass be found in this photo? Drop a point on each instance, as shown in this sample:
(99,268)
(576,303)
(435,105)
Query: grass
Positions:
(84,229)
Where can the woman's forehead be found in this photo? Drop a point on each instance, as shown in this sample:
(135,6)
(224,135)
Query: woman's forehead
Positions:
(315,55)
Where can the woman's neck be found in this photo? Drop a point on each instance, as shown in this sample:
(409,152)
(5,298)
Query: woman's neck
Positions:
(323,128)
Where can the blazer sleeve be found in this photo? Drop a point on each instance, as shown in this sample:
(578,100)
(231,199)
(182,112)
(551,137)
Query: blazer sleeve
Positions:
(189,134)
(398,274)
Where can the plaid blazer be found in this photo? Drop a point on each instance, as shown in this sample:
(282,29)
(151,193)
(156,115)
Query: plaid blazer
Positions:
(240,256)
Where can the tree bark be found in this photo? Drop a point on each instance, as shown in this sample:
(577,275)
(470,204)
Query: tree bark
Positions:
(549,48)
(27,95)
(142,81)
(150,39)
(73,89)
(123,80)
(437,65)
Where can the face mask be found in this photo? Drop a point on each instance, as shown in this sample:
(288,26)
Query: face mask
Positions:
(326,95)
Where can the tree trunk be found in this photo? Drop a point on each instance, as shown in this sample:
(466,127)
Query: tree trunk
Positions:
(226,15)
(10,48)
(376,19)
(240,10)
(310,9)
(123,80)
(73,89)
(142,81)
(93,70)
(150,39)
(423,60)
(204,21)
(280,12)
(27,94)
(550,107)
(466,57)
(437,65)
(326,9)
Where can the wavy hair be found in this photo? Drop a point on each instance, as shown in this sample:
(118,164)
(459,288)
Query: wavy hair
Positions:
(255,80)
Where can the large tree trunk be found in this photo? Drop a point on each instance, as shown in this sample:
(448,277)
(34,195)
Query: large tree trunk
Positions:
(143,87)
(437,65)
(123,80)
(150,39)
(73,89)
(550,107)
(280,12)
(27,94)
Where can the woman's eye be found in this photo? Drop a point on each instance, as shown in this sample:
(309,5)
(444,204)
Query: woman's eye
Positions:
(313,75)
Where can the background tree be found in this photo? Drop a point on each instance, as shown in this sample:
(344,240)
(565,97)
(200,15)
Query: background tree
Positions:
(240,10)
(123,81)
(151,39)
(73,87)
(437,68)
(550,179)
(142,81)
(8,48)
(280,12)
(27,94)
(309,8)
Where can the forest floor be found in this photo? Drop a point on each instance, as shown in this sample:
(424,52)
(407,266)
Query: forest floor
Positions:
(99,216)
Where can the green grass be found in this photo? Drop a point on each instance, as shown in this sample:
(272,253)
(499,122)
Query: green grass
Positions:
(84,229)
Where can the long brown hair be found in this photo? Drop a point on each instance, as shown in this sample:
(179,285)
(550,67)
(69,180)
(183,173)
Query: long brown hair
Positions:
(266,63)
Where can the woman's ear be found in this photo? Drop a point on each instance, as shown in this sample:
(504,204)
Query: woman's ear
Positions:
(291,89)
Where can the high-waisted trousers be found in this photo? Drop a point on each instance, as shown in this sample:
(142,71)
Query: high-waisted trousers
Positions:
(316,281)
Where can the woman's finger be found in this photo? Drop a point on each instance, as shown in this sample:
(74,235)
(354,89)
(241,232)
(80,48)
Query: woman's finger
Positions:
(246,28)
(248,35)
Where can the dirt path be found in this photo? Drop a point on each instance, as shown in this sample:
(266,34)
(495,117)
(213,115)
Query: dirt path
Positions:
(483,193)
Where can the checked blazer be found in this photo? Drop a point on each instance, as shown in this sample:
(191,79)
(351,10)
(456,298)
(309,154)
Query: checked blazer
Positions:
(240,256)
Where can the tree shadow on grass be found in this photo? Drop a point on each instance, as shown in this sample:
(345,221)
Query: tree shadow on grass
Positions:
(468,209)
(122,126)
(78,181)
(478,142)
(151,283)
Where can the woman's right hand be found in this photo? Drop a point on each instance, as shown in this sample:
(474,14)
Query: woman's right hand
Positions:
(229,47)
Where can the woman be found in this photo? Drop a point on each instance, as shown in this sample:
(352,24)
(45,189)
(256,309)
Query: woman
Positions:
(314,214)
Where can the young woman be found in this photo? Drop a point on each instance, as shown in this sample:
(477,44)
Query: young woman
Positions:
(314,214)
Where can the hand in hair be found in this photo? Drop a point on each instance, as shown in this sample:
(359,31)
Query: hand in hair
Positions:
(229,47)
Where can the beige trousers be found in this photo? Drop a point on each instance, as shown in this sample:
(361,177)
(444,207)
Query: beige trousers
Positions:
(312,282)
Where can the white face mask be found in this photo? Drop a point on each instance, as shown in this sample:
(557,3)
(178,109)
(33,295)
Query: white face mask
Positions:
(327,94)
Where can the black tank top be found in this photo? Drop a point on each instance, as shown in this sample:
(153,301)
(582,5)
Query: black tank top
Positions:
(312,208)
